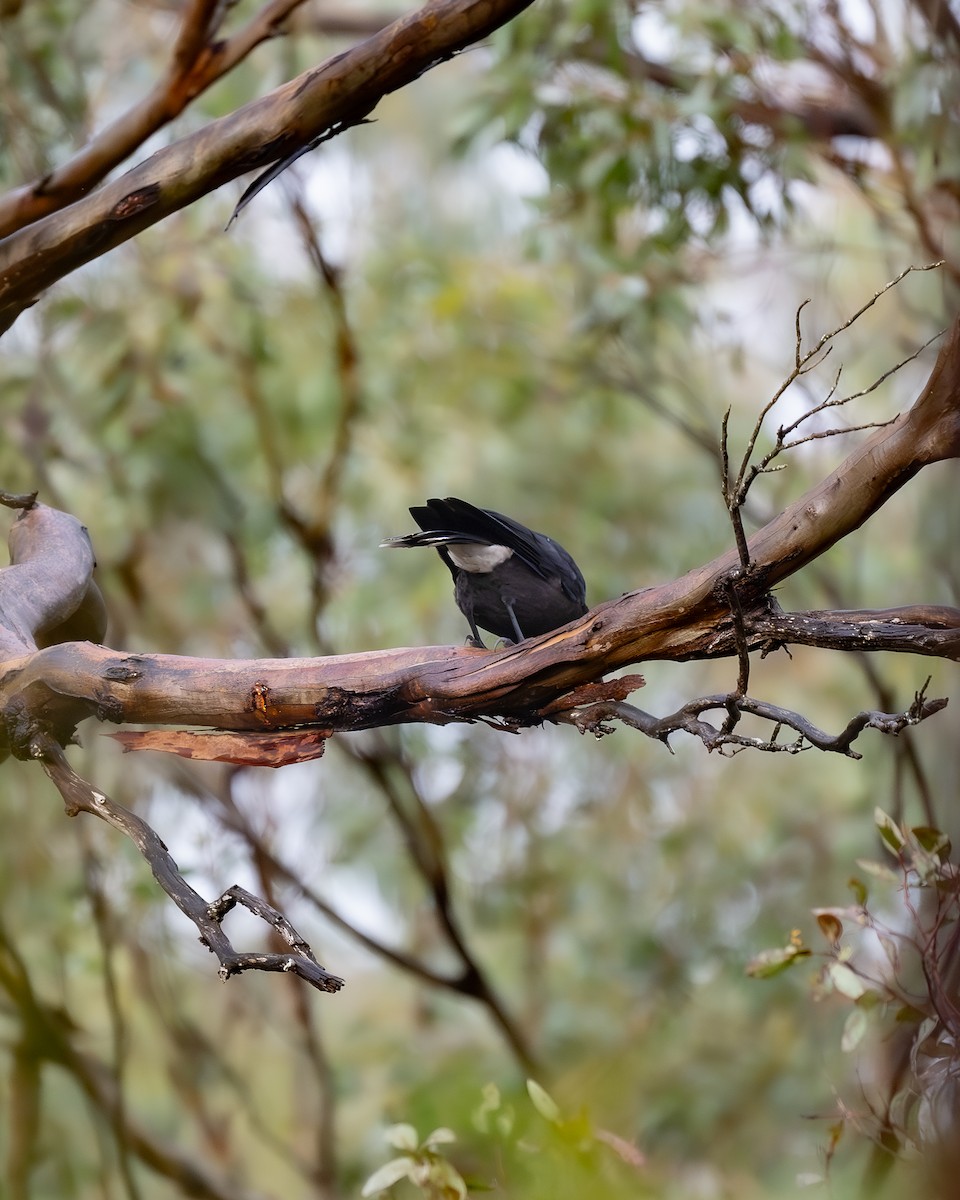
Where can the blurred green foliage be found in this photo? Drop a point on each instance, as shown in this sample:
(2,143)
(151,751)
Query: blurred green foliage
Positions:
(556,275)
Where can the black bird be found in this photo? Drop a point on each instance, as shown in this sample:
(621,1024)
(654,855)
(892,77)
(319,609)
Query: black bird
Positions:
(506,578)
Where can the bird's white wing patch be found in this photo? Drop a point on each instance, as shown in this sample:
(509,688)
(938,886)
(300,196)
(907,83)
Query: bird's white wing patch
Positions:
(477,559)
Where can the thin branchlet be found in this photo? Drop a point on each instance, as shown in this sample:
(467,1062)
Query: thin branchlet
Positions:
(806,361)
(596,718)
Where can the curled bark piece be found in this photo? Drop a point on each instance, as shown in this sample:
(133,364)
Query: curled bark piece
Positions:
(241,749)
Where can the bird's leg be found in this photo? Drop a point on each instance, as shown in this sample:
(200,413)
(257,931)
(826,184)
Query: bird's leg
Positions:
(475,639)
(508,605)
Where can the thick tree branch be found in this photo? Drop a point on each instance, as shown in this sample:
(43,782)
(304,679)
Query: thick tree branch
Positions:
(521,685)
(271,709)
(328,98)
(199,59)
(928,629)
(49,691)
(47,594)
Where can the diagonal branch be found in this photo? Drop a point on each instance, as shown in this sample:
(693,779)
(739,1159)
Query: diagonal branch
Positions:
(47,693)
(332,96)
(80,796)
(197,62)
(425,847)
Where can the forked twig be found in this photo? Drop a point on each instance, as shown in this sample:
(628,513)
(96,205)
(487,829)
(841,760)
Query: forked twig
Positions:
(735,492)
(595,718)
(80,796)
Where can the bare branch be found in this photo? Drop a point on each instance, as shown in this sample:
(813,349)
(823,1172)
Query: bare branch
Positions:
(928,629)
(119,1030)
(315,535)
(80,796)
(831,402)
(595,719)
(816,437)
(731,495)
(804,362)
(235,820)
(334,95)
(740,641)
(425,847)
(468,980)
(735,493)
(197,62)
(831,334)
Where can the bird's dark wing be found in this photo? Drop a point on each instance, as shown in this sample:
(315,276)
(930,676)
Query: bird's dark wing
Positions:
(480,525)
(537,551)
(440,521)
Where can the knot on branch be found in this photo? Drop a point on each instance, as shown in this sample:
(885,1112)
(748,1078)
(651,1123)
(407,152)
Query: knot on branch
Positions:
(24,734)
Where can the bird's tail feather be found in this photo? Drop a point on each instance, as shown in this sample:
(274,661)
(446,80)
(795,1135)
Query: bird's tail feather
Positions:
(432,537)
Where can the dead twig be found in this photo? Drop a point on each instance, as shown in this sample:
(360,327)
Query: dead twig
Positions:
(596,718)
(735,491)
(80,796)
